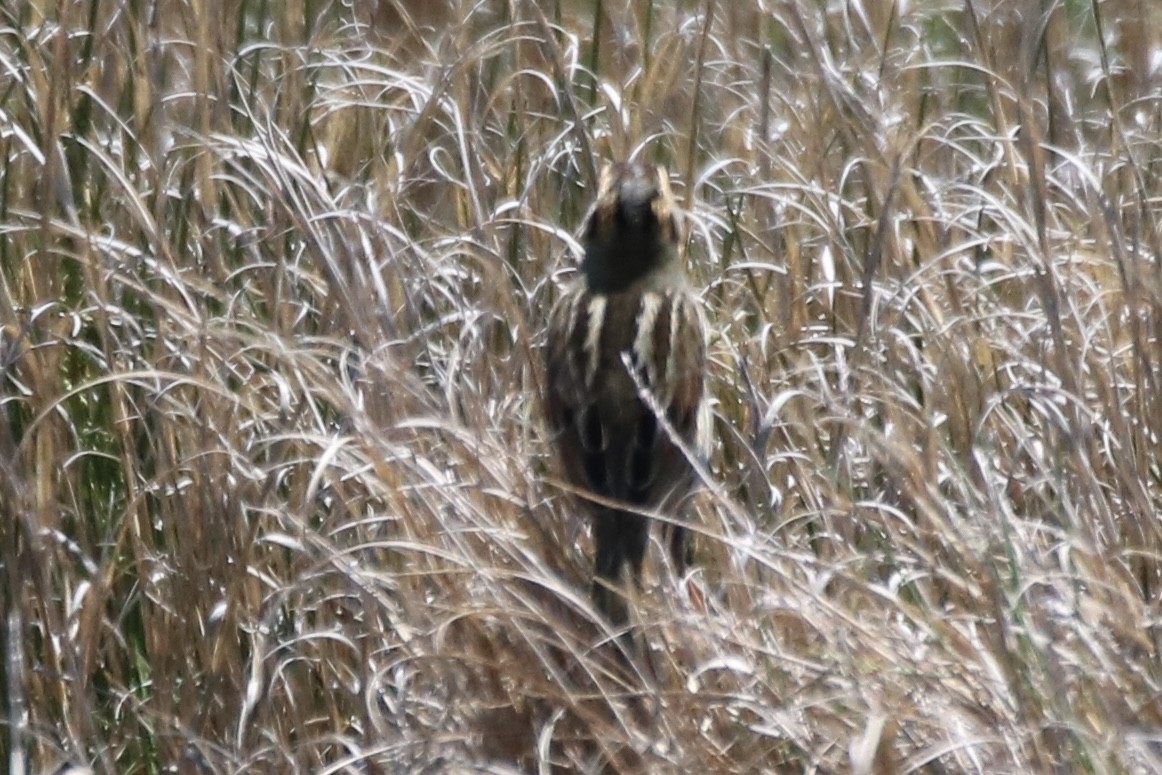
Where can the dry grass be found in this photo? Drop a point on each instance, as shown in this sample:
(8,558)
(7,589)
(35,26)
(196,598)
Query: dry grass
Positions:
(274,490)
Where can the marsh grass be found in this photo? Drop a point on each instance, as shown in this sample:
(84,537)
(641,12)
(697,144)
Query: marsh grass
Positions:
(274,488)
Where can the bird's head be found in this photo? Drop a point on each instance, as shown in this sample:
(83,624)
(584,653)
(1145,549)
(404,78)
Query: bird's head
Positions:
(632,229)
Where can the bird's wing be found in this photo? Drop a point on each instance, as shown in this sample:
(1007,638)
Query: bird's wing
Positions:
(670,357)
(571,360)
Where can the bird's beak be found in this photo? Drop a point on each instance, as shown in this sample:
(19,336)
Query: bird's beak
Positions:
(637,193)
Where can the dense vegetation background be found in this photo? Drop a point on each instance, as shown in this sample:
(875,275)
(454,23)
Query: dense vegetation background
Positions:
(274,490)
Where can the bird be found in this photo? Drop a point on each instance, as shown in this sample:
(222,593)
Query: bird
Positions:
(625,364)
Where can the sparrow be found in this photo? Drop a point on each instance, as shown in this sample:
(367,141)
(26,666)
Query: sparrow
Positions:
(625,366)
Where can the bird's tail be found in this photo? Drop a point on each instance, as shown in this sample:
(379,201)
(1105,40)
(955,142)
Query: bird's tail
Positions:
(620,539)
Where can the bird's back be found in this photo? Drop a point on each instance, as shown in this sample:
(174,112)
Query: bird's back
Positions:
(605,351)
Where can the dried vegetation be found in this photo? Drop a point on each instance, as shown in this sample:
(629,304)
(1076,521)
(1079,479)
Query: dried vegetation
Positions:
(274,490)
